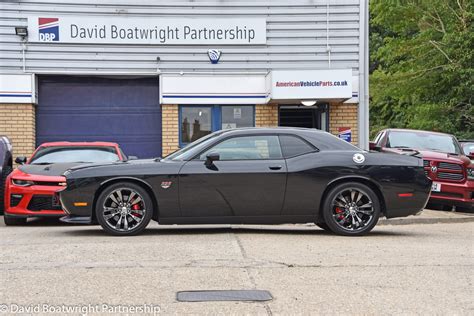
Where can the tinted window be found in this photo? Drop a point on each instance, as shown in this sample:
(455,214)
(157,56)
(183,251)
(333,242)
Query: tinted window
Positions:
(247,148)
(74,154)
(293,146)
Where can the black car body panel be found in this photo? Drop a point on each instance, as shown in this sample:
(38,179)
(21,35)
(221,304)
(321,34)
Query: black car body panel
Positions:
(270,191)
(6,165)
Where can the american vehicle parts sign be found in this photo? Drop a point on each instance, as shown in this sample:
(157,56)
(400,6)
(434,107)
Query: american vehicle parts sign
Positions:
(157,31)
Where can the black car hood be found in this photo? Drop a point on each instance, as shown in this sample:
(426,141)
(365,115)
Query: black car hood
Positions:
(56,169)
(102,164)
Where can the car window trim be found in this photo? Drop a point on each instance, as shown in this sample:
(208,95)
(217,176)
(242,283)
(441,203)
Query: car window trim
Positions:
(315,149)
(235,136)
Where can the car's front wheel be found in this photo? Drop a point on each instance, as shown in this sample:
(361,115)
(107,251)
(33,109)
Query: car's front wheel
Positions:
(124,209)
(351,209)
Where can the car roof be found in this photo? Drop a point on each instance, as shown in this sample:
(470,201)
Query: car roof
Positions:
(278,129)
(415,131)
(79,144)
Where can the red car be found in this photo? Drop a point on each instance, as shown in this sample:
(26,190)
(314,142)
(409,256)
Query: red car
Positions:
(445,163)
(30,189)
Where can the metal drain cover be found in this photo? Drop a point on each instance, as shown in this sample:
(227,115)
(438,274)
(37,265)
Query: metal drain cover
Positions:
(224,295)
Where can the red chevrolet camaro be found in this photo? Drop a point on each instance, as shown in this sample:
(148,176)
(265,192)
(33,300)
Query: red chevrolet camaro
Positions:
(30,189)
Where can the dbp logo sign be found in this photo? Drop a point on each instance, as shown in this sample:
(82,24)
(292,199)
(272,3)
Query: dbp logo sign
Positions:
(48,29)
(214,55)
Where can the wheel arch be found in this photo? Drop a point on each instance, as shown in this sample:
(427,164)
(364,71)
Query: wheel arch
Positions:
(145,185)
(366,181)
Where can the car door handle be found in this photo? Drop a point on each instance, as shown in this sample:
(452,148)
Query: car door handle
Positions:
(275,167)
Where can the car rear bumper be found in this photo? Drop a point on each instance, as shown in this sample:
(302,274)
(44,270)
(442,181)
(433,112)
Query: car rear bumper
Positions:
(459,194)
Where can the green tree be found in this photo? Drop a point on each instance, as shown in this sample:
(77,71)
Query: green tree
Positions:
(421,71)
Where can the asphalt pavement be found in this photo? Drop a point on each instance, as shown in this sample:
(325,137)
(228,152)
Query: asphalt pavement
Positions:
(412,268)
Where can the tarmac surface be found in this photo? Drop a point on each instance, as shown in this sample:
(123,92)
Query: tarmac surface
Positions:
(421,266)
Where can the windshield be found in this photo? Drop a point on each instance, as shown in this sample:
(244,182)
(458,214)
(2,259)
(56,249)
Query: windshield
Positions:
(69,154)
(190,150)
(423,141)
(468,148)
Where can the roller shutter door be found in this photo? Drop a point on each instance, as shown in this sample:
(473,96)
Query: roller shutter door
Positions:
(125,111)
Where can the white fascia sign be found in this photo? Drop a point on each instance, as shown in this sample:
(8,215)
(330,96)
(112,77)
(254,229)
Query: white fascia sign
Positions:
(154,30)
(311,84)
(213,89)
(17,88)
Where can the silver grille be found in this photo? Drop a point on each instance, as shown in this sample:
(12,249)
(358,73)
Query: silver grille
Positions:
(449,166)
(450,176)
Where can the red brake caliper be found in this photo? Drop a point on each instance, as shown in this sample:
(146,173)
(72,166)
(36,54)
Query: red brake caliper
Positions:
(136,207)
(339,211)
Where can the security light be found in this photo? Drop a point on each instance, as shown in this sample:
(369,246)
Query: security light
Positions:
(308,102)
(21,31)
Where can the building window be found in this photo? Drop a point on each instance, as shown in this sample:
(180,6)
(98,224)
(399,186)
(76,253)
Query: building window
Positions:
(233,116)
(198,121)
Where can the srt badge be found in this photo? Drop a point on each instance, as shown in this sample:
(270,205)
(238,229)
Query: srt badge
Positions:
(166,184)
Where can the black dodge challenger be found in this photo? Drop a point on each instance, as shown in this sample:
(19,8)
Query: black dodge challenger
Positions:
(250,176)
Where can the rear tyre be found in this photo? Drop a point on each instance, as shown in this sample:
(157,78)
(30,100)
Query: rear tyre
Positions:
(324,226)
(124,209)
(351,209)
(14,221)
(3,180)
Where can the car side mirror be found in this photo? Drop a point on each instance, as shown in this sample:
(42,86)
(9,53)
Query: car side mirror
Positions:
(132,157)
(373,146)
(210,158)
(21,160)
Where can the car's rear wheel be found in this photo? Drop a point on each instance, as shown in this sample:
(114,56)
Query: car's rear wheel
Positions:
(3,179)
(14,221)
(124,209)
(324,226)
(351,209)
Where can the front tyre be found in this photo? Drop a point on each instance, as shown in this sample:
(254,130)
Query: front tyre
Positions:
(351,209)
(124,209)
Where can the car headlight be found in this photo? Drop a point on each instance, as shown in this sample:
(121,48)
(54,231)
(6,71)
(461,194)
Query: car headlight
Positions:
(470,173)
(22,183)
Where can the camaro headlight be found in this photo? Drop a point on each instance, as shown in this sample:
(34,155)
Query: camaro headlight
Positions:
(22,183)
(470,173)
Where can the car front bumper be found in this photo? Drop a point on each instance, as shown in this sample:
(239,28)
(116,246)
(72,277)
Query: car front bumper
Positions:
(459,194)
(32,201)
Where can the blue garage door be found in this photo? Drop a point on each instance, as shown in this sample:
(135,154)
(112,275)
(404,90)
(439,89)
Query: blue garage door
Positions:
(125,111)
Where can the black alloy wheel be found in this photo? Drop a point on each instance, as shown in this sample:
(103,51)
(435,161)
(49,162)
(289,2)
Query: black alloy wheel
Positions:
(124,209)
(351,209)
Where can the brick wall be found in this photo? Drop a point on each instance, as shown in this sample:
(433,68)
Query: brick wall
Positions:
(170,128)
(344,115)
(18,122)
(266,115)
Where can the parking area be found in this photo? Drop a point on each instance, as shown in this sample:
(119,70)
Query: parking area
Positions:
(417,268)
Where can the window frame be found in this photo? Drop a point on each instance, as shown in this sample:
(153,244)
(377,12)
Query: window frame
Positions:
(315,149)
(216,116)
(197,157)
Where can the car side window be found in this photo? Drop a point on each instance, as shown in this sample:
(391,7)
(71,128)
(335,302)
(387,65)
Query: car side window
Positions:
(247,148)
(294,146)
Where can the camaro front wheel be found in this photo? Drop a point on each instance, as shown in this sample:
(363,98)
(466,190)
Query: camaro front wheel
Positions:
(124,209)
(351,209)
